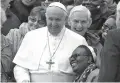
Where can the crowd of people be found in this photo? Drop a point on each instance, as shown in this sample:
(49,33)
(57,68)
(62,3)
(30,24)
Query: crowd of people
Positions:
(60,41)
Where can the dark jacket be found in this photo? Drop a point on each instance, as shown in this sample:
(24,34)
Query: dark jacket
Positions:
(22,11)
(19,9)
(110,58)
(11,22)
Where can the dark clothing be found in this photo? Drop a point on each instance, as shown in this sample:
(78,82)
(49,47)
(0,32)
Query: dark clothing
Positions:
(110,58)
(99,16)
(97,23)
(22,11)
(6,60)
(93,40)
(11,23)
(87,71)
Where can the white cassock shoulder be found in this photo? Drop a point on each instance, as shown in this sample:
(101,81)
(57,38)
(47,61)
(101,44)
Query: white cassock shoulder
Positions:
(33,40)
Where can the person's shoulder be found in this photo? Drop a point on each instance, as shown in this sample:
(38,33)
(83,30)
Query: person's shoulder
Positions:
(114,32)
(113,36)
(13,31)
(38,31)
(73,34)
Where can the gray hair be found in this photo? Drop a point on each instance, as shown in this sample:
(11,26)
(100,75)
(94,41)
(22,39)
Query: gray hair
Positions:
(80,8)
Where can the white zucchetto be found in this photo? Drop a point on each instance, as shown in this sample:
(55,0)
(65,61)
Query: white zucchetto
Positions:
(58,4)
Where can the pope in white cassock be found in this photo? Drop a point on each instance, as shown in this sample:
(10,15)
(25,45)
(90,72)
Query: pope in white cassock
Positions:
(44,53)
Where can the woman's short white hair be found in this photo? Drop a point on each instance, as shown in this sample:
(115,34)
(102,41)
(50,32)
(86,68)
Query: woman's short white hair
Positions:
(80,8)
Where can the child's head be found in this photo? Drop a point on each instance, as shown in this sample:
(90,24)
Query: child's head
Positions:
(37,17)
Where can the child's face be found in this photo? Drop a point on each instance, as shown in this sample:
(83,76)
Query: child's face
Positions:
(35,22)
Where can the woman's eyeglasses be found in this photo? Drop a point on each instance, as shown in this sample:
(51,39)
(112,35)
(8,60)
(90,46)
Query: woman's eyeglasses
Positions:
(33,19)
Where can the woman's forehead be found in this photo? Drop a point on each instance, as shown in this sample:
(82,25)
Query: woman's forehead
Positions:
(80,51)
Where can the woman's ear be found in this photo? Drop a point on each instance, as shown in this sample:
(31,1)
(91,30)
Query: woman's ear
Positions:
(90,60)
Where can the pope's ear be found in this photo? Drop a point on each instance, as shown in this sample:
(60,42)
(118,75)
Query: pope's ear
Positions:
(90,21)
(69,23)
(28,18)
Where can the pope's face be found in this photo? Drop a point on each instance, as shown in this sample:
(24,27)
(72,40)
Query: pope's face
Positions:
(56,19)
(79,60)
(28,2)
(79,22)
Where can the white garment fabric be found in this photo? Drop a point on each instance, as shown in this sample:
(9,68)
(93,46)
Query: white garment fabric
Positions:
(34,53)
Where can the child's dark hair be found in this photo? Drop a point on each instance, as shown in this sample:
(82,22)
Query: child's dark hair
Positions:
(39,11)
(88,51)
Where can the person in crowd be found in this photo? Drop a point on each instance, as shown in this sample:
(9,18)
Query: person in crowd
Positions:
(111,4)
(12,20)
(7,56)
(109,24)
(78,2)
(44,53)
(68,2)
(36,20)
(82,62)
(22,8)
(80,20)
(110,56)
(98,9)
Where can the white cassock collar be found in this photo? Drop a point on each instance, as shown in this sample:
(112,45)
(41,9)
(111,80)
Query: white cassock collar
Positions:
(59,35)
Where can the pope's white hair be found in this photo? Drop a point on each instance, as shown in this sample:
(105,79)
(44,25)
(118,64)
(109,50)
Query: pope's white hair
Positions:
(80,8)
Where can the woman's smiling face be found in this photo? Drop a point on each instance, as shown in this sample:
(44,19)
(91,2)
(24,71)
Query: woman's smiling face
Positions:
(79,60)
